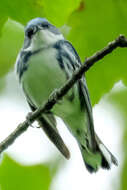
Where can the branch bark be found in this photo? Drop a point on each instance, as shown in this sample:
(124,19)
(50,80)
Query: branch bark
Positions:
(121,41)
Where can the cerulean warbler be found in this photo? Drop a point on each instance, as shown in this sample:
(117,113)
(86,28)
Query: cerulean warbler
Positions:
(44,63)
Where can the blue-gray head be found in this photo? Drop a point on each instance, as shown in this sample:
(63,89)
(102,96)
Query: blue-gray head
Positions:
(40,32)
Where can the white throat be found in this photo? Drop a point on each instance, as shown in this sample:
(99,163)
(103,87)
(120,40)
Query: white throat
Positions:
(44,38)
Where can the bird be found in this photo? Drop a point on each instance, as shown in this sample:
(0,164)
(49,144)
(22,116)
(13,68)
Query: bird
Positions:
(45,62)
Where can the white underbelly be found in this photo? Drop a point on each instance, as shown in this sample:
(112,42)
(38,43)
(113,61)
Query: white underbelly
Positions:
(42,77)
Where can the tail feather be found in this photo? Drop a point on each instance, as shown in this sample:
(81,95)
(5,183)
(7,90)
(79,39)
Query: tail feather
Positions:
(102,157)
(89,168)
(107,157)
(48,123)
(54,137)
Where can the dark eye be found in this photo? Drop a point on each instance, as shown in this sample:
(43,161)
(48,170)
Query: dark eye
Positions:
(30,32)
(45,25)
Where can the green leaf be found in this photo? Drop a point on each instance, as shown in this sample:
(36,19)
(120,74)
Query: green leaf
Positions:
(16,176)
(23,11)
(58,11)
(92,28)
(2,22)
(10,44)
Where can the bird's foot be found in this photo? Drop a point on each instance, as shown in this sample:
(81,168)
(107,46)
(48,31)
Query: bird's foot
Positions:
(29,121)
(53,95)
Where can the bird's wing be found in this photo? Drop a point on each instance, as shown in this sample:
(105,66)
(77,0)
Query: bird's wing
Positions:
(21,63)
(69,62)
(48,123)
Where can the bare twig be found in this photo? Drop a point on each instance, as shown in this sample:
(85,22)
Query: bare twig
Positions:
(121,41)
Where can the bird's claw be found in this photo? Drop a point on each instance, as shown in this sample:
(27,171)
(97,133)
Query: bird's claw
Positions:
(53,95)
(28,120)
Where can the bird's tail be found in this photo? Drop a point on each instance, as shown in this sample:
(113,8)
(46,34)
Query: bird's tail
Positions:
(102,157)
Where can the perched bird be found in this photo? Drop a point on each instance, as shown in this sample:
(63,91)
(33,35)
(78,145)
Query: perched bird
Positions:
(44,63)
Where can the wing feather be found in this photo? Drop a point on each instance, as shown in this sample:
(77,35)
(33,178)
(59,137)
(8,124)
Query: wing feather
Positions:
(71,62)
(48,123)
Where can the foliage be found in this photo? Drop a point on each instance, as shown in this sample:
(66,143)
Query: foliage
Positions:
(14,175)
(92,25)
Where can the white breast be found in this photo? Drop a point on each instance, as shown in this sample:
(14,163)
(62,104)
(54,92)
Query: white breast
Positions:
(42,76)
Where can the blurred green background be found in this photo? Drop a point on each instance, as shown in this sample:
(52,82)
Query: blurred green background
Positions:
(89,25)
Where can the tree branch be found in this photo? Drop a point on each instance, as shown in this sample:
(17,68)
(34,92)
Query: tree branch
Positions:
(121,41)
